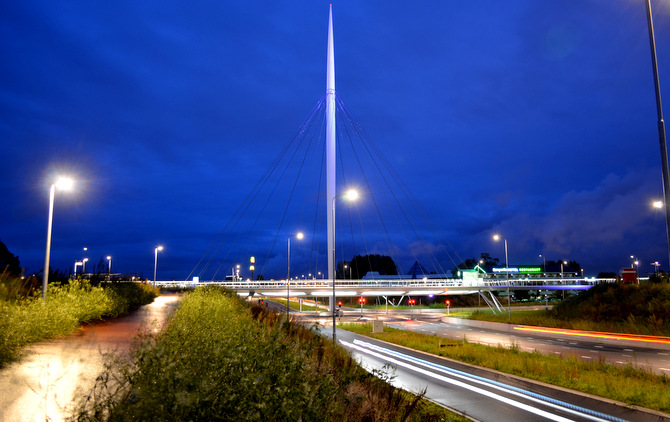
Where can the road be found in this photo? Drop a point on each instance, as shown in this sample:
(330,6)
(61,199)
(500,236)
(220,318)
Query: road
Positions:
(482,394)
(46,383)
(653,356)
(470,390)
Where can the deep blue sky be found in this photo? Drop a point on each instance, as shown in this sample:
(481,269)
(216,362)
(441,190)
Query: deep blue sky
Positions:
(534,119)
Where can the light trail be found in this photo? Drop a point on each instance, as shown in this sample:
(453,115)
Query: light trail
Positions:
(400,359)
(595,334)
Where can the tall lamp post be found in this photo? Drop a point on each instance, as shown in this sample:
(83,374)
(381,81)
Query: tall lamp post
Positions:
(544,264)
(661,124)
(83,261)
(63,183)
(109,270)
(299,235)
(351,195)
(156,249)
(496,237)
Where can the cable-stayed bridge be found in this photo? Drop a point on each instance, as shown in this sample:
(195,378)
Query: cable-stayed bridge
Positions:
(395,287)
(297,198)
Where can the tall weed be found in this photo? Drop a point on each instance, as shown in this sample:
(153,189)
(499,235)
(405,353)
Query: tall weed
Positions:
(220,359)
(30,319)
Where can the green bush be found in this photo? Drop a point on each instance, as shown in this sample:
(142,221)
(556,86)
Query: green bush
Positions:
(640,309)
(30,319)
(219,359)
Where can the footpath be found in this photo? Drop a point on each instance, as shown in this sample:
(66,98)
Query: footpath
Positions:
(52,376)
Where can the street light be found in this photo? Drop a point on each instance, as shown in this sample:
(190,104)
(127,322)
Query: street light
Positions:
(350,195)
(109,271)
(656,265)
(83,261)
(544,264)
(63,183)
(298,235)
(496,237)
(158,248)
(563,281)
(77,264)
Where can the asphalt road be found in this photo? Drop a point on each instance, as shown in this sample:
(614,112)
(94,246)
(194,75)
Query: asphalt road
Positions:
(46,383)
(508,398)
(653,356)
(637,353)
(482,394)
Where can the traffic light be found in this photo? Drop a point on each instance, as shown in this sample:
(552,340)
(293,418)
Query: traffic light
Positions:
(448,302)
(361,300)
(412,302)
(339,304)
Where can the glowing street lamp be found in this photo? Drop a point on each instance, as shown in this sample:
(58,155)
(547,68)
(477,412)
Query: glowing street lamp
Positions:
(158,248)
(299,235)
(497,237)
(63,183)
(656,265)
(350,195)
(83,266)
(109,270)
(77,264)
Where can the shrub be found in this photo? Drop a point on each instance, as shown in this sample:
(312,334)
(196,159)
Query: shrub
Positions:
(221,360)
(30,319)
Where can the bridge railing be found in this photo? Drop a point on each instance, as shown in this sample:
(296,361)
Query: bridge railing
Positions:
(418,283)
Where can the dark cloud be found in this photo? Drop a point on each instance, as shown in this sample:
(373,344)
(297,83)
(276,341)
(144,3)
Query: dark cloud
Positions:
(532,118)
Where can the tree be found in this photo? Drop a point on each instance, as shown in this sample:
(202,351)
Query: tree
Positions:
(9,262)
(361,265)
(485,259)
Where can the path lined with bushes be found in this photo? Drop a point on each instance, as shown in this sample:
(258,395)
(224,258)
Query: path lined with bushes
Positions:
(52,375)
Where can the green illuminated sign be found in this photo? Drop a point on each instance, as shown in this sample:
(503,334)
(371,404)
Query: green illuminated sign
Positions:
(530,269)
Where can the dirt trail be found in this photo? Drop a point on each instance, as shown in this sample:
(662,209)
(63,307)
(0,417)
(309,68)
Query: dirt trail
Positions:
(45,384)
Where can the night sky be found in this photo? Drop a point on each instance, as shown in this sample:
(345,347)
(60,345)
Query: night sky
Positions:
(532,119)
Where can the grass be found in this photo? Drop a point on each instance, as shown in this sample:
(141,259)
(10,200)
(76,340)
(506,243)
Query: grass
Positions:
(543,318)
(221,358)
(628,384)
(295,305)
(30,319)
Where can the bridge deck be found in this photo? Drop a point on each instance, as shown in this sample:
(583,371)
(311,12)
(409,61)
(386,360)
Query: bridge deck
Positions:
(411,287)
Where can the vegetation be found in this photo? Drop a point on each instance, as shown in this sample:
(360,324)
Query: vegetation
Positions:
(361,265)
(627,384)
(25,318)
(620,308)
(221,358)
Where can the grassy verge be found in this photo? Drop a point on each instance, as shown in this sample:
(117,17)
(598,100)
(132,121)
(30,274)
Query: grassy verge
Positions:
(627,384)
(223,359)
(67,307)
(542,318)
(295,305)
(618,308)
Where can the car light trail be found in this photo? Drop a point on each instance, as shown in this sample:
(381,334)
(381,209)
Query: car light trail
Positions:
(416,364)
(595,334)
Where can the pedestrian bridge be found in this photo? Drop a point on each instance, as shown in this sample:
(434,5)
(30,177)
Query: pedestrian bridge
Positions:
(397,287)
